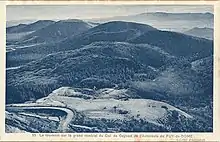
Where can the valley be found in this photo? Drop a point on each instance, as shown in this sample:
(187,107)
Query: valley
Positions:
(118,76)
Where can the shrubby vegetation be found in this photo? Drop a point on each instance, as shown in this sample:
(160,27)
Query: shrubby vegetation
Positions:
(151,64)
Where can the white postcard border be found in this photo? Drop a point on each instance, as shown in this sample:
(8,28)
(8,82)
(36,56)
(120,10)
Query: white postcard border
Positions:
(113,136)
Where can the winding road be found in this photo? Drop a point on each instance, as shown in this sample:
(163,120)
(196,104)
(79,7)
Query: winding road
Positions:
(64,122)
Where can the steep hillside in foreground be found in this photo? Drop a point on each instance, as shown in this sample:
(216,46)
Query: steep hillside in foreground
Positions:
(114,61)
(105,64)
(32,81)
(99,111)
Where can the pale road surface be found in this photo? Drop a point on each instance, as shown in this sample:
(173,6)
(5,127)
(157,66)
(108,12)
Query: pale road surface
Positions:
(13,68)
(63,123)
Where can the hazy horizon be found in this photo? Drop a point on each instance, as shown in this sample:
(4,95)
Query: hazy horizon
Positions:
(52,12)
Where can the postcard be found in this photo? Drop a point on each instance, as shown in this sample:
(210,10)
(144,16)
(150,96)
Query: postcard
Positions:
(110,71)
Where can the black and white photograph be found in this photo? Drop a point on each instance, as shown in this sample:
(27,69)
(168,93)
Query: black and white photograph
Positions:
(96,68)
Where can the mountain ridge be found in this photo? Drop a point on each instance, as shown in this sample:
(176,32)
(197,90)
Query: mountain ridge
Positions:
(203,32)
(31,27)
(58,31)
(99,74)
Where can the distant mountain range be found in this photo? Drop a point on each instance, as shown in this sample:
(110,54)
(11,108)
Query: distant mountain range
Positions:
(207,33)
(167,21)
(163,15)
(160,20)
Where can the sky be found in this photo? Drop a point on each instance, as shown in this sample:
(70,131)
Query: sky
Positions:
(40,12)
